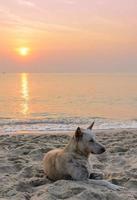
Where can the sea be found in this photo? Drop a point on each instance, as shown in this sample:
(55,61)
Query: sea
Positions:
(49,103)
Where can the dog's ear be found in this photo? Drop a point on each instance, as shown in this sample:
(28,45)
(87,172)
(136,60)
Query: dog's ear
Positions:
(91,126)
(78,134)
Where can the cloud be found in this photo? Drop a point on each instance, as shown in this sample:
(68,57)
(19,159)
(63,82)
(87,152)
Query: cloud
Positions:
(8,17)
(9,20)
(26,3)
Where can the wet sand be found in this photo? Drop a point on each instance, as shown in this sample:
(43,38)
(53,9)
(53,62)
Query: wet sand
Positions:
(22,176)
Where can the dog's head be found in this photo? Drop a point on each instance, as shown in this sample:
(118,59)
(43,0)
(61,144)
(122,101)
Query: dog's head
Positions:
(86,141)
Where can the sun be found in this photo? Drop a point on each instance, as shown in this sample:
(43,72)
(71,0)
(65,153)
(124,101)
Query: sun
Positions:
(24,51)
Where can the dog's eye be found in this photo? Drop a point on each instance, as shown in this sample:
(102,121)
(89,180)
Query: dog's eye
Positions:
(91,140)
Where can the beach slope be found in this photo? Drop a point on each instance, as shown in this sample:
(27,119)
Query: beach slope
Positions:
(22,176)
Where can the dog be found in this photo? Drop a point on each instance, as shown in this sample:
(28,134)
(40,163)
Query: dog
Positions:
(72,161)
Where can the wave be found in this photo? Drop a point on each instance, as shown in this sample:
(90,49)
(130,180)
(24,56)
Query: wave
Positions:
(62,124)
(66,120)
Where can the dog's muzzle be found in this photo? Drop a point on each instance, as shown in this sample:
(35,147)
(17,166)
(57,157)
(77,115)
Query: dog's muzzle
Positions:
(99,151)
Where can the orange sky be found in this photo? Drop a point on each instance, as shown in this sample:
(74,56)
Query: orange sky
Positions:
(68,35)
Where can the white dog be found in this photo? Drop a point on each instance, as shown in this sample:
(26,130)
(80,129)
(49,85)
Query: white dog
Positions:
(72,161)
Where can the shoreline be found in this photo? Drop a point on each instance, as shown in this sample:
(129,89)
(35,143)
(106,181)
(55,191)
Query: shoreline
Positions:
(22,176)
(61,133)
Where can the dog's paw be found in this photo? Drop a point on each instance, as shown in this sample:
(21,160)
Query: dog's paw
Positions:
(96,176)
(115,187)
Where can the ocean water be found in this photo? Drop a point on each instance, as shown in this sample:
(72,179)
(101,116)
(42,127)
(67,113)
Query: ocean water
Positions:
(61,102)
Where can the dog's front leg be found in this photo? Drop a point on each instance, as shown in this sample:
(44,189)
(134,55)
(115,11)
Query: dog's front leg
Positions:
(106,184)
(78,172)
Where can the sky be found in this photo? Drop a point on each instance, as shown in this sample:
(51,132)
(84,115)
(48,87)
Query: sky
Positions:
(68,36)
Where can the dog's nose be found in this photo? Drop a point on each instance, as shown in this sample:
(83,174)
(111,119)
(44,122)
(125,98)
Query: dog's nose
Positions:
(103,149)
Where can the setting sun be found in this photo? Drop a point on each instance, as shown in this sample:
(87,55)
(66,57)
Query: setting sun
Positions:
(24,51)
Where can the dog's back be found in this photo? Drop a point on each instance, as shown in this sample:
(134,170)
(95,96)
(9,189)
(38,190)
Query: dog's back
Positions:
(55,164)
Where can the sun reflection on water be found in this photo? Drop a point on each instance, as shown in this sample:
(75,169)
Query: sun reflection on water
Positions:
(25,94)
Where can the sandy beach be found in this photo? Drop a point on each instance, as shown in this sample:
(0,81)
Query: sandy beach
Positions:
(22,176)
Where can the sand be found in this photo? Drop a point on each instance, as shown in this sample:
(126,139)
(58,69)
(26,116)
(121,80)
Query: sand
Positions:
(22,176)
